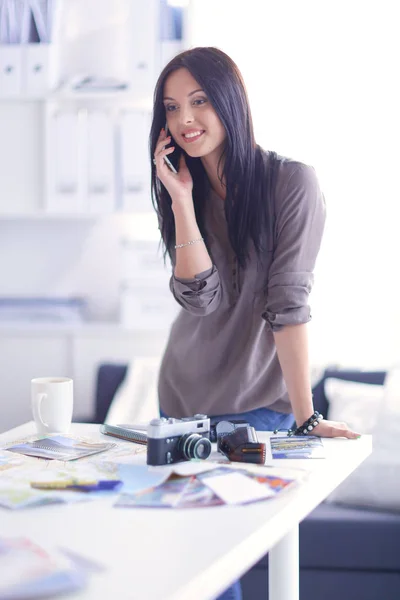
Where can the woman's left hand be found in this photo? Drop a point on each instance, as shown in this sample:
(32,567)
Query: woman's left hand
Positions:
(332,429)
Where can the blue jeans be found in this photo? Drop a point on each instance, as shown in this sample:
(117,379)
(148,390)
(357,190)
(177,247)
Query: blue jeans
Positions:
(262,419)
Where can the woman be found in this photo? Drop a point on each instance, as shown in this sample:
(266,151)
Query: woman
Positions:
(243,228)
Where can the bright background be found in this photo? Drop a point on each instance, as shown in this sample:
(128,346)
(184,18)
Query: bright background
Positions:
(322,83)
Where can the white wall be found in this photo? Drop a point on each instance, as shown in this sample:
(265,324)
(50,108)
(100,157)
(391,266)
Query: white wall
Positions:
(322,83)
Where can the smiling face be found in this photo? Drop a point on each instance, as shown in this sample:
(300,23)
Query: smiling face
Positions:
(191,119)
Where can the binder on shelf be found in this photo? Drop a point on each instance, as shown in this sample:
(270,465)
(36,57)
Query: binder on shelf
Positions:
(38,17)
(39,74)
(28,59)
(40,25)
(64,163)
(10,70)
(39,21)
(144,48)
(100,162)
(145,308)
(134,161)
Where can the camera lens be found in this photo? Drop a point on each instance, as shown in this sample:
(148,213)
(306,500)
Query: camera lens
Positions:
(193,445)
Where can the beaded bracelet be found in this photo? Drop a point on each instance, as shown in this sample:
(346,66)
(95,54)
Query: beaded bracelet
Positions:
(189,243)
(308,425)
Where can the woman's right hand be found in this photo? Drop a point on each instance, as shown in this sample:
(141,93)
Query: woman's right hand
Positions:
(179,185)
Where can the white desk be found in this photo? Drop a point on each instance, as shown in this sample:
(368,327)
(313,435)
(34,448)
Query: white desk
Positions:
(188,554)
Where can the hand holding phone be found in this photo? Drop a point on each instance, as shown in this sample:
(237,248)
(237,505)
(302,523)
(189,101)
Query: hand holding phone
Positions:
(166,159)
(178,183)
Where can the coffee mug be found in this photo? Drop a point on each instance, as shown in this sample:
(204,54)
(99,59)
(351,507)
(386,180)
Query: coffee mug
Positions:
(52,404)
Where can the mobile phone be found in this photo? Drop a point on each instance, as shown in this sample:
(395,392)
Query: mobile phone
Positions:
(166,159)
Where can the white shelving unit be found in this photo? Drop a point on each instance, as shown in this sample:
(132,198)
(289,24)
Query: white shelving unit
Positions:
(59,253)
(107,140)
(27,157)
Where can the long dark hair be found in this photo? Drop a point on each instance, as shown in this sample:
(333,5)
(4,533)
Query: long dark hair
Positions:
(246,169)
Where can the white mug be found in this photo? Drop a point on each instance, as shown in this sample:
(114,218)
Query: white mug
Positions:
(52,404)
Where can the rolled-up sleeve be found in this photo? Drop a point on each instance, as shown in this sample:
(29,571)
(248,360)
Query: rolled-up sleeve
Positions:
(299,226)
(200,295)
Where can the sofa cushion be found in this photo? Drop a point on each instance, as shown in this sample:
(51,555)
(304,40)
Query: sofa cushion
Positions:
(338,537)
(350,538)
(357,404)
(136,399)
(109,378)
(376,482)
(319,397)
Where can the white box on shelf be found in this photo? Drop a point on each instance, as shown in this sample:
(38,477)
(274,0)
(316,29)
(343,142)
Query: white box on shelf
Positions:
(39,70)
(144,46)
(134,161)
(100,162)
(143,260)
(10,70)
(144,308)
(65,161)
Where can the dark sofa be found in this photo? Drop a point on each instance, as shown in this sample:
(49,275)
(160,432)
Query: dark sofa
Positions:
(346,553)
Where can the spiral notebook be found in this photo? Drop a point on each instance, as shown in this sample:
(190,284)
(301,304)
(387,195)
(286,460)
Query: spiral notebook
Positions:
(131,433)
(59,448)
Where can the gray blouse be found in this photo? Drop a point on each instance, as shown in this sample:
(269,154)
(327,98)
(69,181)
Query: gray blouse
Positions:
(221,356)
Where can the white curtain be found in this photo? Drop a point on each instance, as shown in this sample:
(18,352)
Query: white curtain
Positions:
(322,78)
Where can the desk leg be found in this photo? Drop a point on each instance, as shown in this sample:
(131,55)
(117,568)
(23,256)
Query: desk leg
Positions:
(283,568)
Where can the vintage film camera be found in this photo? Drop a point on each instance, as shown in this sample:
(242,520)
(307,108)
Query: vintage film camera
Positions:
(238,441)
(173,440)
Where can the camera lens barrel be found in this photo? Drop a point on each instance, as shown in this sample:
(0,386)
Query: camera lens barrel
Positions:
(194,445)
